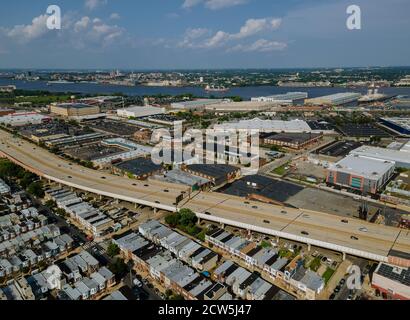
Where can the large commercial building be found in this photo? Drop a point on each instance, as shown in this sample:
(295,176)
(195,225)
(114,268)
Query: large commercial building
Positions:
(74,110)
(400,157)
(293,140)
(196,105)
(293,126)
(243,106)
(7,89)
(287,98)
(361,173)
(139,112)
(393,282)
(335,99)
(23,118)
(399,125)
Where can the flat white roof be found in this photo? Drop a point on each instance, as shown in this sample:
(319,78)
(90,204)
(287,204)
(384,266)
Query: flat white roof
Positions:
(363,166)
(383,154)
(267,125)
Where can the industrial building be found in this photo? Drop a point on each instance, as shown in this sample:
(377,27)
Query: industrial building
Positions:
(400,157)
(196,105)
(392,281)
(243,106)
(399,125)
(361,173)
(5,112)
(23,118)
(8,89)
(139,112)
(74,110)
(140,168)
(287,98)
(296,126)
(217,173)
(335,99)
(293,140)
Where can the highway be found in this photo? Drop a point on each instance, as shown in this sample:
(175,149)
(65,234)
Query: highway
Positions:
(350,236)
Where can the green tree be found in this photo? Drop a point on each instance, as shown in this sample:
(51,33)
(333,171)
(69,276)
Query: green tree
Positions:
(172,219)
(119,268)
(36,189)
(113,250)
(188,218)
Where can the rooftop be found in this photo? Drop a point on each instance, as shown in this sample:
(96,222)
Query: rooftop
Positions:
(139,166)
(363,166)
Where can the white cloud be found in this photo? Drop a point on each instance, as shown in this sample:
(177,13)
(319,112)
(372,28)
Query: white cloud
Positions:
(190,3)
(82,24)
(251,28)
(25,33)
(80,32)
(213,4)
(93,4)
(191,35)
(255,26)
(115,16)
(220,4)
(261,45)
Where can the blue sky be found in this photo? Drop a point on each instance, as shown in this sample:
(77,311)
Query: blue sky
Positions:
(187,34)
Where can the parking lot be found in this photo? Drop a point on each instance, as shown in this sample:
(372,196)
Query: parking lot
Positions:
(91,152)
(114,127)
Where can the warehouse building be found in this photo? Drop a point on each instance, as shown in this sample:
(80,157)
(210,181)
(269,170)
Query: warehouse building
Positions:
(242,106)
(393,282)
(139,112)
(361,173)
(266,126)
(399,125)
(196,105)
(217,173)
(293,140)
(287,98)
(400,157)
(335,99)
(23,118)
(140,168)
(74,110)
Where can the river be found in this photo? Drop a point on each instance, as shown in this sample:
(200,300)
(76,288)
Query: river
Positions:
(244,92)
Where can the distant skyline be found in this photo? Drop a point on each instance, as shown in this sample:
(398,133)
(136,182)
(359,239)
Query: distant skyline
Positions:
(204,34)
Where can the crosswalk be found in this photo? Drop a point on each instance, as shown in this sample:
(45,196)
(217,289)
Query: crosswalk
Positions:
(89,245)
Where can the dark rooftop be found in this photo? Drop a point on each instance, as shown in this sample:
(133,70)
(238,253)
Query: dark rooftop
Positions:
(139,166)
(213,170)
(400,275)
(294,138)
(275,190)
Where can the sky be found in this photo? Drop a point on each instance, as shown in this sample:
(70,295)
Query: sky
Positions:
(203,34)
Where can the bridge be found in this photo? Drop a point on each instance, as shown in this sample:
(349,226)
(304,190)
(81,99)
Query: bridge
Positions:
(348,236)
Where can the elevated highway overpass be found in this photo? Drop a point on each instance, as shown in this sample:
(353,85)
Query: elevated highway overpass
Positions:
(349,236)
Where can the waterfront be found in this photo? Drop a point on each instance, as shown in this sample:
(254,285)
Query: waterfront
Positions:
(244,92)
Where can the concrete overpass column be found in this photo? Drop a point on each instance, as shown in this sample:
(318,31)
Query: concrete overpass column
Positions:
(277,239)
(222,226)
(155,210)
(309,247)
(344,256)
